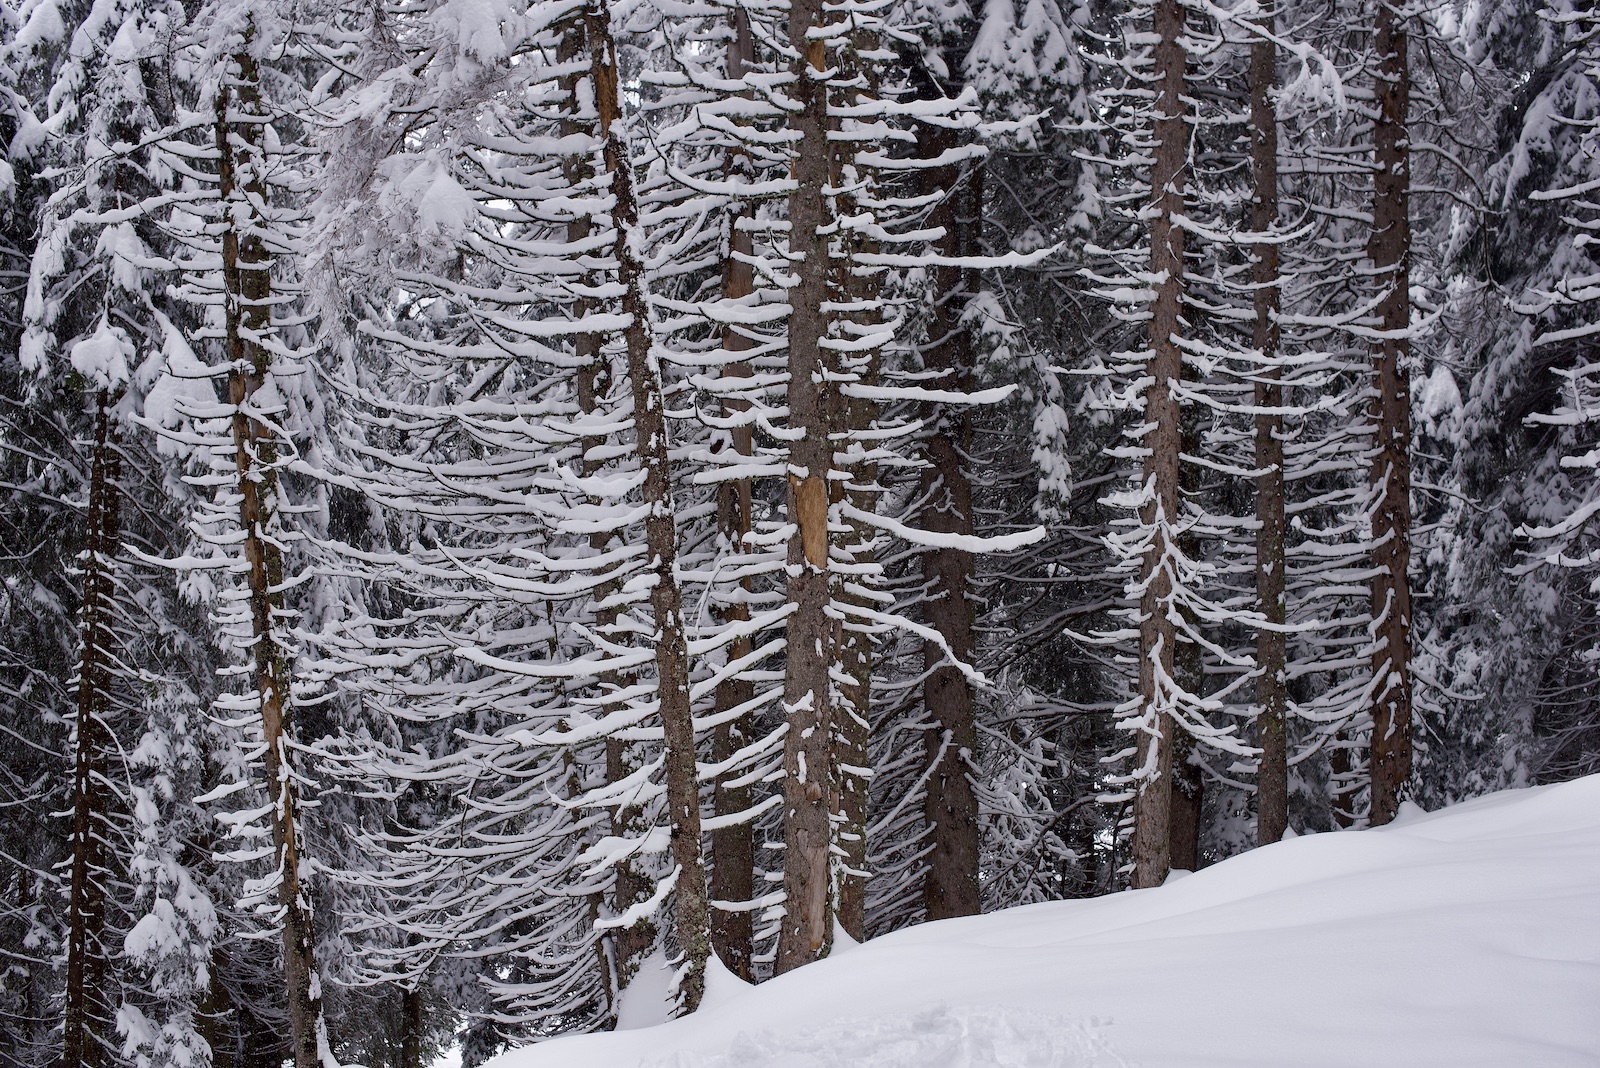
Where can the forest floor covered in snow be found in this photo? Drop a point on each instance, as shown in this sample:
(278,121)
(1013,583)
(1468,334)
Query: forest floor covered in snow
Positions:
(1469,936)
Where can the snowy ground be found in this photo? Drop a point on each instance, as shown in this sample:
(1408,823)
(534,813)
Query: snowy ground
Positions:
(1464,937)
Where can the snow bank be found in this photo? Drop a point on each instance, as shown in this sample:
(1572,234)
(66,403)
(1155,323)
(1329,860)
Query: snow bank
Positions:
(1466,937)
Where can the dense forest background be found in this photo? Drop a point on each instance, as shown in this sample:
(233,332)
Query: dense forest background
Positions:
(505,499)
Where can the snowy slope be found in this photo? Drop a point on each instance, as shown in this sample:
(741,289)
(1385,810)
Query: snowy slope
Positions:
(1466,937)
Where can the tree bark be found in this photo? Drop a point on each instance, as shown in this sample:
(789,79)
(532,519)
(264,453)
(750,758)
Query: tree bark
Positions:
(629,946)
(1390,250)
(1272,697)
(217,1023)
(1344,785)
(1188,784)
(1152,804)
(247,283)
(858,288)
(806,933)
(650,445)
(861,286)
(733,846)
(411,1026)
(951,807)
(87,1031)
(1188,801)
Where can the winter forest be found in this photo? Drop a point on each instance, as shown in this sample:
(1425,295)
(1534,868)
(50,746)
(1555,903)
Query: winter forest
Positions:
(501,499)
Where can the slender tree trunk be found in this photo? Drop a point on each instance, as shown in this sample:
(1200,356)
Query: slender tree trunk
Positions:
(87,1030)
(852,762)
(733,846)
(862,285)
(951,807)
(853,728)
(1343,782)
(650,438)
(629,946)
(812,636)
(247,279)
(1188,801)
(1390,251)
(217,1023)
(411,1026)
(1272,696)
(1188,784)
(1152,804)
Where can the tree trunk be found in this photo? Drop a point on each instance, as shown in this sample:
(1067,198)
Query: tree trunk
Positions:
(247,282)
(650,445)
(733,846)
(411,1026)
(1188,784)
(87,1030)
(1390,250)
(629,946)
(862,287)
(951,807)
(1343,780)
(852,760)
(1188,801)
(216,1021)
(1152,803)
(1272,778)
(812,636)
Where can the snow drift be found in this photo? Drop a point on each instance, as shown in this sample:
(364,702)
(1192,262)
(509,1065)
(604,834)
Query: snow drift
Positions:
(1469,936)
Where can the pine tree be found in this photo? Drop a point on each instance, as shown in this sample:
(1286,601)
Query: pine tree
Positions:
(1389,248)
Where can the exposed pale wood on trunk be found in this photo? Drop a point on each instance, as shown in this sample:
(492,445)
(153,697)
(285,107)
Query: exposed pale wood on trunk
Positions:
(619,953)
(806,933)
(247,284)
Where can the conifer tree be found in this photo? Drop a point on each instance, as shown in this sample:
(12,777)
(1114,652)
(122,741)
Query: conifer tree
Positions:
(1390,250)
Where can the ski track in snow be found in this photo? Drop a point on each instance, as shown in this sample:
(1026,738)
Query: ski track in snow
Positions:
(1467,937)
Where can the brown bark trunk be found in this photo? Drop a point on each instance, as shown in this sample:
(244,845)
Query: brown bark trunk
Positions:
(1343,786)
(1188,800)
(216,1023)
(951,807)
(852,767)
(411,1026)
(633,943)
(247,283)
(1390,250)
(1188,786)
(853,716)
(861,288)
(1272,778)
(853,728)
(87,1027)
(630,945)
(1152,803)
(806,933)
(733,847)
(650,446)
